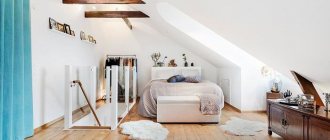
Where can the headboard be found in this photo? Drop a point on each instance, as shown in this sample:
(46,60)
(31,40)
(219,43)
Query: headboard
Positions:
(167,72)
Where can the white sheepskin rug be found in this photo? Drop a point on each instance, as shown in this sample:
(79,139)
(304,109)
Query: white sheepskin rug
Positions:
(144,130)
(240,127)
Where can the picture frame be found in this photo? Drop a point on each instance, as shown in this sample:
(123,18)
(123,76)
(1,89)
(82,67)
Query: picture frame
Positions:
(72,33)
(67,29)
(82,35)
(60,27)
(52,24)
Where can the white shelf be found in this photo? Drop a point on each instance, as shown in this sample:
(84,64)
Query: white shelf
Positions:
(86,41)
(61,33)
(70,36)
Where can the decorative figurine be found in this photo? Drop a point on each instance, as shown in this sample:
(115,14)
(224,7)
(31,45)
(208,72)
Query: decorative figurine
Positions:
(172,63)
(185,60)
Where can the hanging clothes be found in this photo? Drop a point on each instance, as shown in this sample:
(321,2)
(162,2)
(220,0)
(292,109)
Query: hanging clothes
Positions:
(121,63)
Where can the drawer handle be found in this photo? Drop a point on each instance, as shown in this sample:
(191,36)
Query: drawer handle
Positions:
(284,123)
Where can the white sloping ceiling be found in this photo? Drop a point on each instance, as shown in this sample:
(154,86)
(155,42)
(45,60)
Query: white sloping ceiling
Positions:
(286,35)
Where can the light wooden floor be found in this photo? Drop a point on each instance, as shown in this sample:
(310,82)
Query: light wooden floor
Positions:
(177,131)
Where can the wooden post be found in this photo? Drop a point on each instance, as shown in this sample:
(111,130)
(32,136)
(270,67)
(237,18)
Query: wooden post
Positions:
(134,84)
(93,89)
(127,89)
(114,98)
(107,86)
(68,97)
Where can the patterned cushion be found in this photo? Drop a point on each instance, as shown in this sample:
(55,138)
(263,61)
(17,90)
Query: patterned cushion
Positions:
(193,79)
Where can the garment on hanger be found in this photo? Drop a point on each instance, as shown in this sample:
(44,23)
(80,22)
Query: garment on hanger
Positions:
(121,63)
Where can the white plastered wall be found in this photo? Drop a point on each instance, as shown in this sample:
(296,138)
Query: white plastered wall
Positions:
(51,51)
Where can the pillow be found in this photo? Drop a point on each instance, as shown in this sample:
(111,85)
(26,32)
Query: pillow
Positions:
(192,79)
(171,79)
(176,78)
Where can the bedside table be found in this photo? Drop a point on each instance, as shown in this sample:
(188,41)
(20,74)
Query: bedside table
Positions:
(273,95)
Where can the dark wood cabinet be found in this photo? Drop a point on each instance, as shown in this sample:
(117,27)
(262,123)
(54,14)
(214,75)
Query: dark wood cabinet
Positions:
(318,129)
(293,123)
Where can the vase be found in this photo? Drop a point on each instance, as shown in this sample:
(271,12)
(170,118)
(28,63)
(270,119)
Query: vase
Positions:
(186,64)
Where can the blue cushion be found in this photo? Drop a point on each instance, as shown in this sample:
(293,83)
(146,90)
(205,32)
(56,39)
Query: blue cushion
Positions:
(171,79)
(180,78)
(176,78)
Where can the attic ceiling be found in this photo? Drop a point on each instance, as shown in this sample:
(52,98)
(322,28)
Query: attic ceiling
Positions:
(286,35)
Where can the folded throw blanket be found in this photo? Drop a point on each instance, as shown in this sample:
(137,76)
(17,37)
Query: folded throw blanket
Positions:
(210,104)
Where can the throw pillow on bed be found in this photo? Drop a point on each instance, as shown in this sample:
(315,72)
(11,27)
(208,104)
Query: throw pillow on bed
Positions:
(180,78)
(192,79)
(171,79)
(176,78)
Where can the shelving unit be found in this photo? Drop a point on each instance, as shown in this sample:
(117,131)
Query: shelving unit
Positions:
(87,42)
(61,33)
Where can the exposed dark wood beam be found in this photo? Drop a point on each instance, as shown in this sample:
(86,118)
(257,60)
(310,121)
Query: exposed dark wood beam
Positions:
(103,2)
(115,14)
(128,23)
(307,87)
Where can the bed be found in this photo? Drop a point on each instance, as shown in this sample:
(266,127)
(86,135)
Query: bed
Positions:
(158,86)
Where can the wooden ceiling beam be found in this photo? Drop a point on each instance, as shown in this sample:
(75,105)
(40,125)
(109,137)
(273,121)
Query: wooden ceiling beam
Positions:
(115,14)
(128,23)
(103,2)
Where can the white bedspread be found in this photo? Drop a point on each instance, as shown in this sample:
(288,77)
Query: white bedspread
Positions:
(148,100)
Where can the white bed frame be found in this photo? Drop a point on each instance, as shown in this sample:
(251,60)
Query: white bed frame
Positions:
(180,109)
(166,72)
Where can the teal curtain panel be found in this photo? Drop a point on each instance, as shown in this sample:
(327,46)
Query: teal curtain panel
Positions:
(16,114)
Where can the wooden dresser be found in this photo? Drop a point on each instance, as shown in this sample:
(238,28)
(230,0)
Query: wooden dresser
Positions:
(297,124)
(274,95)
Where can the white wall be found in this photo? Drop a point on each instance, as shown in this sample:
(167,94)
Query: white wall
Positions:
(51,51)
(144,40)
(234,76)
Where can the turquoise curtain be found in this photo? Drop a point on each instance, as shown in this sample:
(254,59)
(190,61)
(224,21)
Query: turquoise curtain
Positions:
(16,120)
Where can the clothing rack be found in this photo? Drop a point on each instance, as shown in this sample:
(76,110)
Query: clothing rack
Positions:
(123,56)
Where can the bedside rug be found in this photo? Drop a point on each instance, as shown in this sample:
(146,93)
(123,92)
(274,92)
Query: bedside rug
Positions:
(144,130)
(241,127)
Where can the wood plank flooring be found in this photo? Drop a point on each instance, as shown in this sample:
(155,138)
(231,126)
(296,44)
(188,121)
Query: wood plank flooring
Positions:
(177,131)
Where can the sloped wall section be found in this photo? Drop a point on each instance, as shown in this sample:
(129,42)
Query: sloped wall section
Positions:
(253,86)
(286,35)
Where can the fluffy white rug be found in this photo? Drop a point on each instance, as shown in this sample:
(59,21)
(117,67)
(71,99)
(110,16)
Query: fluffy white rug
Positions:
(242,127)
(144,130)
